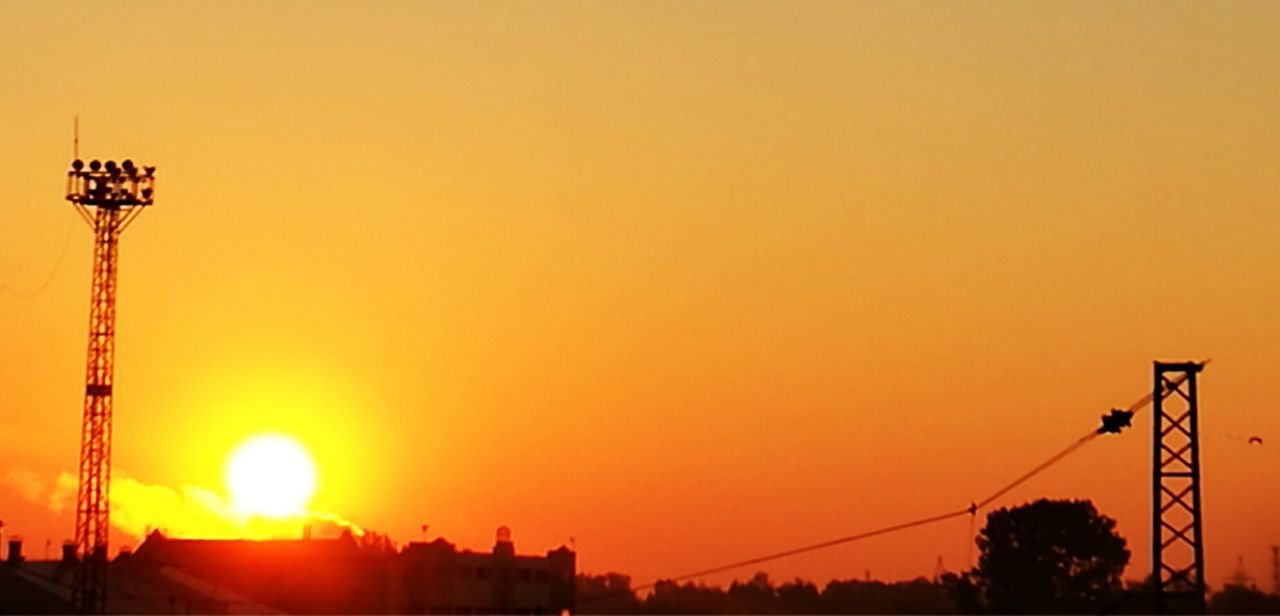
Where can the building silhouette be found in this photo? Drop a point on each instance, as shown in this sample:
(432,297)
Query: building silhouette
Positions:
(304,576)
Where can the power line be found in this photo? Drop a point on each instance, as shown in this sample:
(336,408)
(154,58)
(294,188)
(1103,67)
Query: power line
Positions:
(53,273)
(1081,442)
(817,546)
(971,510)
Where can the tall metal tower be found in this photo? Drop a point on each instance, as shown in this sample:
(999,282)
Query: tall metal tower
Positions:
(108,197)
(1177,559)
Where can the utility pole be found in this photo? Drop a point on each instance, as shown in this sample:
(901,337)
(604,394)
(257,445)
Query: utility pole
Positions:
(1275,569)
(108,197)
(1177,543)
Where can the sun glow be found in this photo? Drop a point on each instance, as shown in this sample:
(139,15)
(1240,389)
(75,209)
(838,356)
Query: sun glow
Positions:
(271,475)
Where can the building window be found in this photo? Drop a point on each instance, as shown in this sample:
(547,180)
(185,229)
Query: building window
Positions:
(464,572)
(524,575)
(542,576)
(482,573)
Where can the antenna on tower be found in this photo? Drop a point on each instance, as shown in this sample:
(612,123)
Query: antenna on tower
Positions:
(75,140)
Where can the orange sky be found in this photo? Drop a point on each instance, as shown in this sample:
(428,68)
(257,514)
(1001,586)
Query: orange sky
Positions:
(688,282)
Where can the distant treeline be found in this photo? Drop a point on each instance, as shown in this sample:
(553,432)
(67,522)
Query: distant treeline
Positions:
(611,594)
(1044,557)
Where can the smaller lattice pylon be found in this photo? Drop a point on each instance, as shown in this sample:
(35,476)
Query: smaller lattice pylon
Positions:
(1177,529)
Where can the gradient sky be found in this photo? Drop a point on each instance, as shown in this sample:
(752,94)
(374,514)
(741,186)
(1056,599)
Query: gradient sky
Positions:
(687,282)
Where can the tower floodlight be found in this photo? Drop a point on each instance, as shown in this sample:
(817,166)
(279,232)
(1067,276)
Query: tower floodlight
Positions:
(108,201)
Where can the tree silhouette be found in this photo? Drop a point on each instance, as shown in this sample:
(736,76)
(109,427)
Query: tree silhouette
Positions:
(754,596)
(1050,557)
(800,597)
(608,594)
(688,598)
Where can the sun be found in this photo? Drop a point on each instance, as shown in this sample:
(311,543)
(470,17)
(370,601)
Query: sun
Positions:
(271,475)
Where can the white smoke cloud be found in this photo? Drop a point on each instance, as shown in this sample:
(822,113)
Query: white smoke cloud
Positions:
(189,511)
(64,492)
